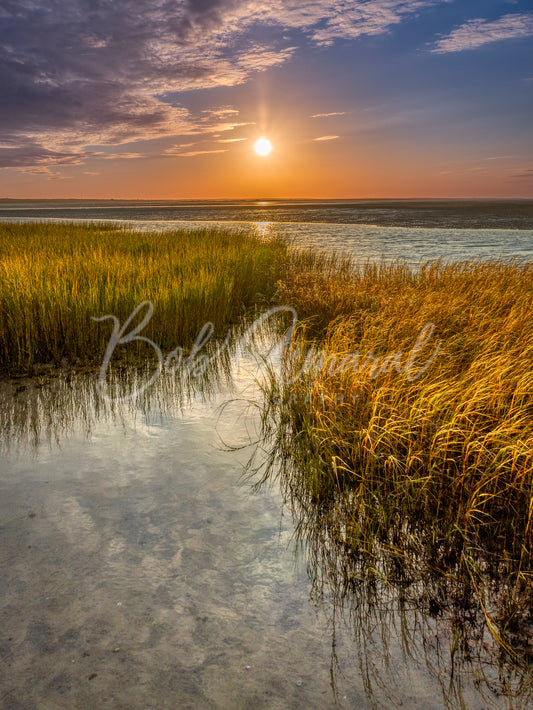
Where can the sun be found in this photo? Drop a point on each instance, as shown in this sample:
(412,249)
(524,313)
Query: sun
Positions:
(263,146)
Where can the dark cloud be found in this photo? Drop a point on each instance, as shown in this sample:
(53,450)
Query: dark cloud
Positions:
(526,175)
(96,72)
(84,66)
(31,154)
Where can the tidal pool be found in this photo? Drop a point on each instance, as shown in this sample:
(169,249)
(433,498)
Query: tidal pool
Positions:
(141,569)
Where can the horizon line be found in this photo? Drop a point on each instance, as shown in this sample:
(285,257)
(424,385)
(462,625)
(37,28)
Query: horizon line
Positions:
(267,199)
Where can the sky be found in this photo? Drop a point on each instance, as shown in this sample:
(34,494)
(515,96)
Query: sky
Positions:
(165,99)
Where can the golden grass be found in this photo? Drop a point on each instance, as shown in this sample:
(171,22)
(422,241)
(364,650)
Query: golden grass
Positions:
(453,446)
(55,277)
(422,482)
(451,450)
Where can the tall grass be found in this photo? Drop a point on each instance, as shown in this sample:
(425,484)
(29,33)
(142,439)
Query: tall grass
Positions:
(55,277)
(455,442)
(453,446)
(433,472)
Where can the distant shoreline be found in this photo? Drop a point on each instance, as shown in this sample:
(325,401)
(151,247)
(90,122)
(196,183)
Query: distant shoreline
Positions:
(447,213)
(249,200)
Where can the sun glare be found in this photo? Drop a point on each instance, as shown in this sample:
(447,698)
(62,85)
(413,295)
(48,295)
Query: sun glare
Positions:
(263,146)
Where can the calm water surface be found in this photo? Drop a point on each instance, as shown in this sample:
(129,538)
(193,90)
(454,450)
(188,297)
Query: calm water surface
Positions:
(469,214)
(365,230)
(141,570)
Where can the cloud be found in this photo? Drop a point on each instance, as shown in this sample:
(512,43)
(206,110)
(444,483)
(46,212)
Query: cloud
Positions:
(372,17)
(174,148)
(192,153)
(117,156)
(95,72)
(478,32)
(327,115)
(221,112)
(526,175)
(31,154)
(326,138)
(223,127)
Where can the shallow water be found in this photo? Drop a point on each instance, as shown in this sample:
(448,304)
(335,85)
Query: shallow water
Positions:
(361,242)
(139,569)
(469,214)
(138,572)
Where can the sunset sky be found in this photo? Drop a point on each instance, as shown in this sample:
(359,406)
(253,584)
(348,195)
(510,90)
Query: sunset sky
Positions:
(164,99)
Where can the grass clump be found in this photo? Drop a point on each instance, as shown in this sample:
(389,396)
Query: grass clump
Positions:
(445,428)
(419,460)
(55,277)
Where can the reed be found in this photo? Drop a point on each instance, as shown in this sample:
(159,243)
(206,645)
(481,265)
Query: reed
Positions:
(445,459)
(54,278)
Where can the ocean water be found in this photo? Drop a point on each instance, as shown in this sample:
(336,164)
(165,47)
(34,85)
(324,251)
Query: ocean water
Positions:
(365,230)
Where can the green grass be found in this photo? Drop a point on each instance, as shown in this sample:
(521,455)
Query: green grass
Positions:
(55,277)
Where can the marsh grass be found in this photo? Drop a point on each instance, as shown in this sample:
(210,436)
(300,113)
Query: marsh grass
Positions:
(430,473)
(454,443)
(54,278)
(406,469)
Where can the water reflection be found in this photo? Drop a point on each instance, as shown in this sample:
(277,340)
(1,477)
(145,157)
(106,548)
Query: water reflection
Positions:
(403,610)
(136,568)
(410,597)
(132,547)
(52,405)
